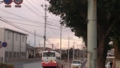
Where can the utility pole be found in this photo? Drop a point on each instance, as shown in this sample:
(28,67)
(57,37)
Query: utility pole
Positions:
(60,41)
(39,44)
(73,51)
(68,50)
(52,46)
(35,38)
(83,54)
(92,34)
(77,53)
(29,42)
(45,25)
(34,42)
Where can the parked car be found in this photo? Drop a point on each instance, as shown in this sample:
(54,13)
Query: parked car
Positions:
(107,65)
(76,64)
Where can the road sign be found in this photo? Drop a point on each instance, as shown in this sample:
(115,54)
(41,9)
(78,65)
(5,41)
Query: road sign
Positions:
(18,1)
(4,44)
(7,1)
(0,44)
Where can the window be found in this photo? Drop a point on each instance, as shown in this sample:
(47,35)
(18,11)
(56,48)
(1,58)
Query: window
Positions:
(8,33)
(76,62)
(58,58)
(16,36)
(48,54)
(23,38)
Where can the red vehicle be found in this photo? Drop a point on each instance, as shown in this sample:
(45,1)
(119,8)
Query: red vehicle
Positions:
(51,59)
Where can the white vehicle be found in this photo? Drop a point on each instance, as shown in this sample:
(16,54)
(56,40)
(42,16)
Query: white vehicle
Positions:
(76,64)
(107,65)
(51,59)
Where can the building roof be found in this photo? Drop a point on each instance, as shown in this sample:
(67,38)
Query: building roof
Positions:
(14,31)
(28,47)
(42,48)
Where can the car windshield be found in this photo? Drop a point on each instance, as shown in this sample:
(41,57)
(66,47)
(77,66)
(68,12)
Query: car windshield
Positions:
(76,62)
(48,54)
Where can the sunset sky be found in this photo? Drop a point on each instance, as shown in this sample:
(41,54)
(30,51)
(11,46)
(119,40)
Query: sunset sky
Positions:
(31,17)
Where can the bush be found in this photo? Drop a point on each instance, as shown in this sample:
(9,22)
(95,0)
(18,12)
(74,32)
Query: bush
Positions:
(3,65)
(6,65)
(10,66)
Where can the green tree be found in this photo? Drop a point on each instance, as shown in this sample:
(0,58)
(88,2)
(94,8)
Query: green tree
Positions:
(73,14)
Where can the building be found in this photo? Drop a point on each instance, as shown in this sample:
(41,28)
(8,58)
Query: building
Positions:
(16,43)
(30,51)
(110,52)
(39,50)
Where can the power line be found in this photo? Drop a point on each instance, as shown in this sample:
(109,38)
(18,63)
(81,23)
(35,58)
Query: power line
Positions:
(27,19)
(34,25)
(65,38)
(20,16)
(32,10)
(52,17)
(10,23)
(53,31)
(13,18)
(34,7)
(35,2)
(40,1)
(28,24)
(38,10)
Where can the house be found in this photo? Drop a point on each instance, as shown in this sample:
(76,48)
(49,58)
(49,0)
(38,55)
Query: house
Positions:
(16,43)
(39,50)
(30,51)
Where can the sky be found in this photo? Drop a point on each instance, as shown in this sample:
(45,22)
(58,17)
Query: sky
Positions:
(31,17)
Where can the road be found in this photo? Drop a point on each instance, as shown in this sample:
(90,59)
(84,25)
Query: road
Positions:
(38,65)
(34,65)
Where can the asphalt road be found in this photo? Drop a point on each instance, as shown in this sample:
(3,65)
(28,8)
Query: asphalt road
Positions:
(35,65)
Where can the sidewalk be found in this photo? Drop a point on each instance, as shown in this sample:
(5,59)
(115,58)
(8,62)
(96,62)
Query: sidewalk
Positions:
(18,64)
(21,64)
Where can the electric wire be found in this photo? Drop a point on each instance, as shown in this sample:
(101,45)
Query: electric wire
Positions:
(35,7)
(34,25)
(27,19)
(32,11)
(10,23)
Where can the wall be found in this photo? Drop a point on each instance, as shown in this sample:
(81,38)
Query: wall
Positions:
(23,45)
(1,39)
(8,39)
(16,46)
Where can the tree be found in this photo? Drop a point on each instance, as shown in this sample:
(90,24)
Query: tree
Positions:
(73,14)
(115,36)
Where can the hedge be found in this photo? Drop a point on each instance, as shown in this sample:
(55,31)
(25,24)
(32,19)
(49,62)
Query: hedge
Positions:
(6,65)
